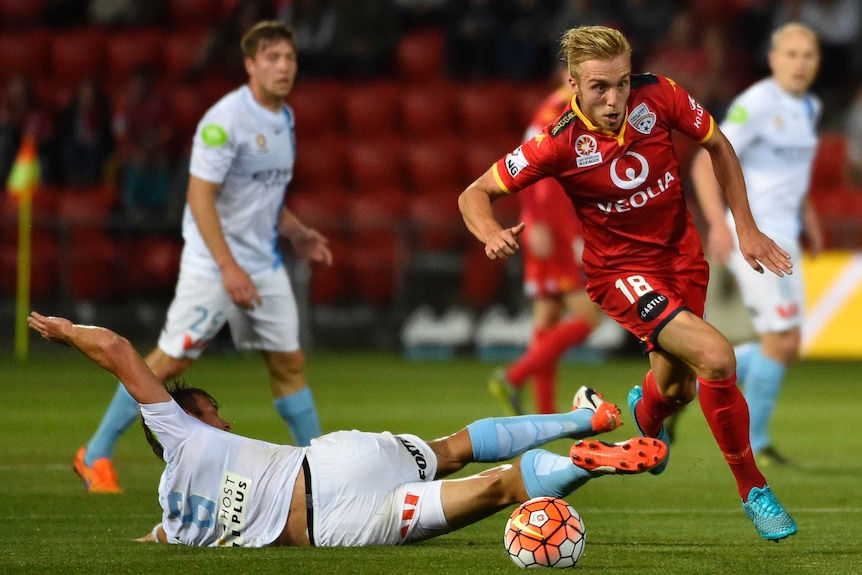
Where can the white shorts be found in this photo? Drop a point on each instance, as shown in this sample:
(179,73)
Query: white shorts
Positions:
(374,489)
(201,306)
(774,303)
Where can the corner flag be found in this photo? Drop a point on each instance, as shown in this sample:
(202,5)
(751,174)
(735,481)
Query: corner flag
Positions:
(23,180)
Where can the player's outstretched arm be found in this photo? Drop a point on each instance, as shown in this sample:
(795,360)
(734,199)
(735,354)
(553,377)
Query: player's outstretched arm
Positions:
(108,350)
(756,247)
(475,206)
(719,238)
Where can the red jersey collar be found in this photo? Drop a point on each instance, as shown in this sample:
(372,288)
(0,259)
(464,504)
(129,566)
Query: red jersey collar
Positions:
(593,128)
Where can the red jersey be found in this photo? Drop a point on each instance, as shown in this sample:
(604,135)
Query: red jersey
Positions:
(626,187)
(546,202)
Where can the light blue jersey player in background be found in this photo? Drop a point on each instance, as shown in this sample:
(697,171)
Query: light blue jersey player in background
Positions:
(231,271)
(772,126)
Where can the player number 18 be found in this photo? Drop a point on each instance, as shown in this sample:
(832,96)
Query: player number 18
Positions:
(637,284)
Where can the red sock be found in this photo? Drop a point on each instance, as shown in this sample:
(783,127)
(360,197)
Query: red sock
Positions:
(547,348)
(654,408)
(516,373)
(727,415)
(544,389)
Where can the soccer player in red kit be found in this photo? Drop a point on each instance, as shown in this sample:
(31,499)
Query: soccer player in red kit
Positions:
(611,150)
(563,315)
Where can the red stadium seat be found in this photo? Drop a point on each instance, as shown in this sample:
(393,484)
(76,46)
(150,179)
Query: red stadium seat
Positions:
(435,220)
(43,207)
(227,7)
(371,109)
(151,266)
(527,99)
(330,285)
(84,212)
(421,56)
(88,252)
(320,162)
(374,163)
(375,273)
(20,13)
(477,157)
(486,109)
(44,262)
(193,14)
(323,209)
(482,279)
(181,52)
(830,163)
(186,106)
(77,54)
(129,49)
(840,211)
(428,110)
(375,219)
(8,218)
(434,163)
(24,53)
(317,107)
(94,271)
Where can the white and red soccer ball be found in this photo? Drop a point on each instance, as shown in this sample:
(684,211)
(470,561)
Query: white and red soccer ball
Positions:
(545,532)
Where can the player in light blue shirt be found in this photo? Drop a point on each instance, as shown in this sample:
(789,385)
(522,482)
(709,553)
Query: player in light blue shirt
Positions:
(772,126)
(348,488)
(231,271)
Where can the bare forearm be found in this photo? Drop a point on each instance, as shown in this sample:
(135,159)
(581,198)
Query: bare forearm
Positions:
(728,175)
(475,206)
(289,225)
(707,190)
(202,203)
(108,350)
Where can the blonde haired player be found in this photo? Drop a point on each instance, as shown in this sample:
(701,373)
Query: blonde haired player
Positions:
(612,152)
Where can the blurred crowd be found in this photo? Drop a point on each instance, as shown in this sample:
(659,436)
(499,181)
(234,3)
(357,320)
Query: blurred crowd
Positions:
(123,135)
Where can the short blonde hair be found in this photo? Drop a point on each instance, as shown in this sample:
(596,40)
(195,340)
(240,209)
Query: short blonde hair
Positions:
(791,27)
(592,43)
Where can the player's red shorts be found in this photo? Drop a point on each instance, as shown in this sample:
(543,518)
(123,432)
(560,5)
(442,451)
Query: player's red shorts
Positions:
(554,276)
(643,302)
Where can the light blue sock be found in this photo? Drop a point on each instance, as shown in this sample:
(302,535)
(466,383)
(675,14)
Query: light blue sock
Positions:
(761,392)
(121,413)
(744,354)
(501,438)
(548,474)
(300,414)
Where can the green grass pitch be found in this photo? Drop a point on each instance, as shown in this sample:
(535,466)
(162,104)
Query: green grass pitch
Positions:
(687,521)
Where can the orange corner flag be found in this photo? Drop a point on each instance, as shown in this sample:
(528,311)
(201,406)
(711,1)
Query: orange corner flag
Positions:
(26,173)
(23,179)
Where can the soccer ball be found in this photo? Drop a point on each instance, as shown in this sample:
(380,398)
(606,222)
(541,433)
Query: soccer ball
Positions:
(545,532)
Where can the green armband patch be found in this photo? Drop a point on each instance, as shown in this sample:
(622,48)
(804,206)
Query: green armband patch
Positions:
(214,135)
(737,115)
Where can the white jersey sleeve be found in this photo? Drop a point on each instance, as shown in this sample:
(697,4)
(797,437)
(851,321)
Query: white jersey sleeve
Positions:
(250,152)
(774,135)
(218,488)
